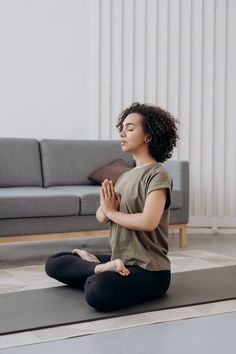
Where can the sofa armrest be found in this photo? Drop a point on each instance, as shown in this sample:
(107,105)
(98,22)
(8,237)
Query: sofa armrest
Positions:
(179,171)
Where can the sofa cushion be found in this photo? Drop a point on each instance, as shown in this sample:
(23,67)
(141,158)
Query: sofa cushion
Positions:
(20,163)
(111,171)
(21,202)
(89,202)
(70,162)
(89,196)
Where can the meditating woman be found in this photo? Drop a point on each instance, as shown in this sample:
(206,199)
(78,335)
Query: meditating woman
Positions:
(137,209)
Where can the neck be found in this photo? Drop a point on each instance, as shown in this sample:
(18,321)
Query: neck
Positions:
(144,162)
(142,157)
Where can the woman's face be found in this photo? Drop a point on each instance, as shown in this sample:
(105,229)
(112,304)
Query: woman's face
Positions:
(132,135)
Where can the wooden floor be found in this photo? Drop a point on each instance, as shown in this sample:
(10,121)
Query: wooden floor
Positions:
(183,239)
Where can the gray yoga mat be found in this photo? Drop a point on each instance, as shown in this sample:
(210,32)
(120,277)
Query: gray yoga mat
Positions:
(35,309)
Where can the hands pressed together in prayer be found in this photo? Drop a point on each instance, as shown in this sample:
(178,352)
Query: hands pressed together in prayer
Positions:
(109,199)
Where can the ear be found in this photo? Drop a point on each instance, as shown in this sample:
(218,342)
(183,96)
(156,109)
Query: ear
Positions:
(148,138)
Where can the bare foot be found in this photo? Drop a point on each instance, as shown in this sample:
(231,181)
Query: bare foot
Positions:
(86,255)
(116,266)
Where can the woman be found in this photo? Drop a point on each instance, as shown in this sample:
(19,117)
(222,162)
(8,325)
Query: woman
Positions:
(137,209)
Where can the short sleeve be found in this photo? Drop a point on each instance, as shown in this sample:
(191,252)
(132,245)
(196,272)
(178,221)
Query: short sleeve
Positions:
(160,180)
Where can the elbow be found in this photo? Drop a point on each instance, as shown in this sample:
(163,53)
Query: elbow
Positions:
(99,219)
(148,228)
(151,224)
(148,223)
(102,220)
(151,227)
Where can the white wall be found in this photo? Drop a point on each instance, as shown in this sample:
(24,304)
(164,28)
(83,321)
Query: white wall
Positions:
(67,68)
(45,60)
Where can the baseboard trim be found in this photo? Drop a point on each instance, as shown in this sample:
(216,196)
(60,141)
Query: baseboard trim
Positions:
(63,235)
(212,222)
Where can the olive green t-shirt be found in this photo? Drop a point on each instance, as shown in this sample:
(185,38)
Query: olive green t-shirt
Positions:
(147,249)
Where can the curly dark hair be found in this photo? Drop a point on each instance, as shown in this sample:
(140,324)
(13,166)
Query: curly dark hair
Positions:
(159,124)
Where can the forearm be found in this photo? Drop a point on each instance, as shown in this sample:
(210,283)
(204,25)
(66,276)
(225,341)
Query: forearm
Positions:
(100,216)
(135,221)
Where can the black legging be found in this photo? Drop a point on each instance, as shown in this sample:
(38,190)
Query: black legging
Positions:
(108,290)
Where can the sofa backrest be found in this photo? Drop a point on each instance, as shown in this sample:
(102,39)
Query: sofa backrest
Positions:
(20,163)
(70,162)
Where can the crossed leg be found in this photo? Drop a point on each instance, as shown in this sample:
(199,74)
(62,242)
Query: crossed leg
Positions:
(74,268)
(106,289)
(109,291)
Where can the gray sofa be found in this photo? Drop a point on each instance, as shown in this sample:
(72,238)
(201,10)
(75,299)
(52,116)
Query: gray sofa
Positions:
(44,186)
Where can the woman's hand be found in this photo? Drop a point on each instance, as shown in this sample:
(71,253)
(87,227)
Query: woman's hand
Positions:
(109,199)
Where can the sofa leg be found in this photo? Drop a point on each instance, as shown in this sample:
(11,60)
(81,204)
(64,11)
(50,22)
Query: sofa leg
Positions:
(183,237)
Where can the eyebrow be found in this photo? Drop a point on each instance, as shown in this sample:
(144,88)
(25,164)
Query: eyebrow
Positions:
(128,124)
